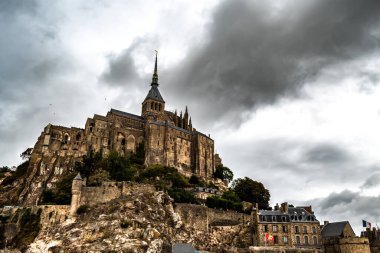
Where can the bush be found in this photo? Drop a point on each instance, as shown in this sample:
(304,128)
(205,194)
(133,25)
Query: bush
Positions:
(182,196)
(20,171)
(62,194)
(223,203)
(82,209)
(167,174)
(125,224)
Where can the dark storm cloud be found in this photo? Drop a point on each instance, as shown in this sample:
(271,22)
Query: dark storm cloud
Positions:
(122,70)
(348,205)
(34,69)
(343,198)
(256,55)
(327,154)
(10,7)
(373,180)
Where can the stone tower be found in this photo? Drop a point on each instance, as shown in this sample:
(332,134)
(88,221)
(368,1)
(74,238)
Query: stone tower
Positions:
(76,190)
(153,105)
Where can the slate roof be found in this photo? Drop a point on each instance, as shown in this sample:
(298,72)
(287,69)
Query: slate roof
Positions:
(154,94)
(297,210)
(183,248)
(78,177)
(334,229)
(126,114)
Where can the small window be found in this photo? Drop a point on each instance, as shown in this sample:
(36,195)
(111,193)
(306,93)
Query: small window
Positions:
(298,240)
(275,239)
(123,142)
(275,229)
(306,240)
(314,229)
(284,229)
(151,105)
(265,228)
(66,139)
(159,107)
(297,229)
(285,239)
(305,229)
(315,240)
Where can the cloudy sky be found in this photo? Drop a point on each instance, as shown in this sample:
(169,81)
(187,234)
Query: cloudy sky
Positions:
(289,90)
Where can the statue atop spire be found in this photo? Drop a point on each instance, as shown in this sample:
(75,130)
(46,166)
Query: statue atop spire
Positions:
(155,75)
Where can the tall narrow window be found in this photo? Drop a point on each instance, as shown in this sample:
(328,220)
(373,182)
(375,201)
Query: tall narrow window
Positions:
(298,239)
(159,107)
(306,240)
(315,240)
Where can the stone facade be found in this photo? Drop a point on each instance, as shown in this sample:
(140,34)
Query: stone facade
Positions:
(374,239)
(168,139)
(339,237)
(289,226)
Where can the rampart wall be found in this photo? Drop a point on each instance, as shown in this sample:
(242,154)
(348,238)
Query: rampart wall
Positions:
(109,191)
(202,217)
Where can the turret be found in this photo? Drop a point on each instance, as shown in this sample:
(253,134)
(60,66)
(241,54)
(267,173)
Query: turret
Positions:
(76,190)
(154,104)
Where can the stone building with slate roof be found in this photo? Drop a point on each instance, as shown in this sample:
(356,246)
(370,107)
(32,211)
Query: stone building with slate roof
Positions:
(289,226)
(338,237)
(168,139)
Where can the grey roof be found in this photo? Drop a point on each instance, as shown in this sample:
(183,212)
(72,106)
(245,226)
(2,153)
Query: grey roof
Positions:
(268,212)
(297,210)
(183,248)
(154,94)
(126,114)
(78,177)
(334,229)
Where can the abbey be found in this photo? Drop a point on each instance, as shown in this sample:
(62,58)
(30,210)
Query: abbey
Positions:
(168,139)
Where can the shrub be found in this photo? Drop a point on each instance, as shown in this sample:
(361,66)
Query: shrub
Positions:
(125,224)
(82,209)
(182,196)
(20,171)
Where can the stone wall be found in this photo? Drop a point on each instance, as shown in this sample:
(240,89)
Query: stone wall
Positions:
(109,191)
(347,245)
(202,218)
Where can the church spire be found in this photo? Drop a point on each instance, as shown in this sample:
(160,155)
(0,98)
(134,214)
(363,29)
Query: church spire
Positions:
(155,75)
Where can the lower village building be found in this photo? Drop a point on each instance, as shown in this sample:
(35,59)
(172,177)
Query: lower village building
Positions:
(286,226)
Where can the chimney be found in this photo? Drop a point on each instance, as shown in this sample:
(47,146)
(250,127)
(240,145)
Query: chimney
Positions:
(276,207)
(284,207)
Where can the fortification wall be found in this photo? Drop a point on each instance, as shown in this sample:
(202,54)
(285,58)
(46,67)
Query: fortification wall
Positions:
(354,245)
(202,217)
(109,191)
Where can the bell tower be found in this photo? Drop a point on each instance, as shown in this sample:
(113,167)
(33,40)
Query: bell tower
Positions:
(154,104)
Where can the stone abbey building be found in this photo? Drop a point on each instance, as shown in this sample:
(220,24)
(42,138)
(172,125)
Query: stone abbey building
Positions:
(169,139)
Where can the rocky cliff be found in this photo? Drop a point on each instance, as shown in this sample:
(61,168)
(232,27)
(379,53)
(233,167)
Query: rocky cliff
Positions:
(139,222)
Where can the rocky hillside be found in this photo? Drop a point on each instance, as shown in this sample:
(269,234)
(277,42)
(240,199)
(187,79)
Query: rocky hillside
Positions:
(140,222)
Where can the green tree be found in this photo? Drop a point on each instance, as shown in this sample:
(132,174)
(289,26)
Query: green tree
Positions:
(223,173)
(251,191)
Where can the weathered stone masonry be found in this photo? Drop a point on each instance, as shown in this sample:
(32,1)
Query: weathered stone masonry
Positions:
(169,139)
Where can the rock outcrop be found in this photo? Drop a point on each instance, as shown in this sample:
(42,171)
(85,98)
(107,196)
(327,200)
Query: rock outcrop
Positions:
(139,222)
